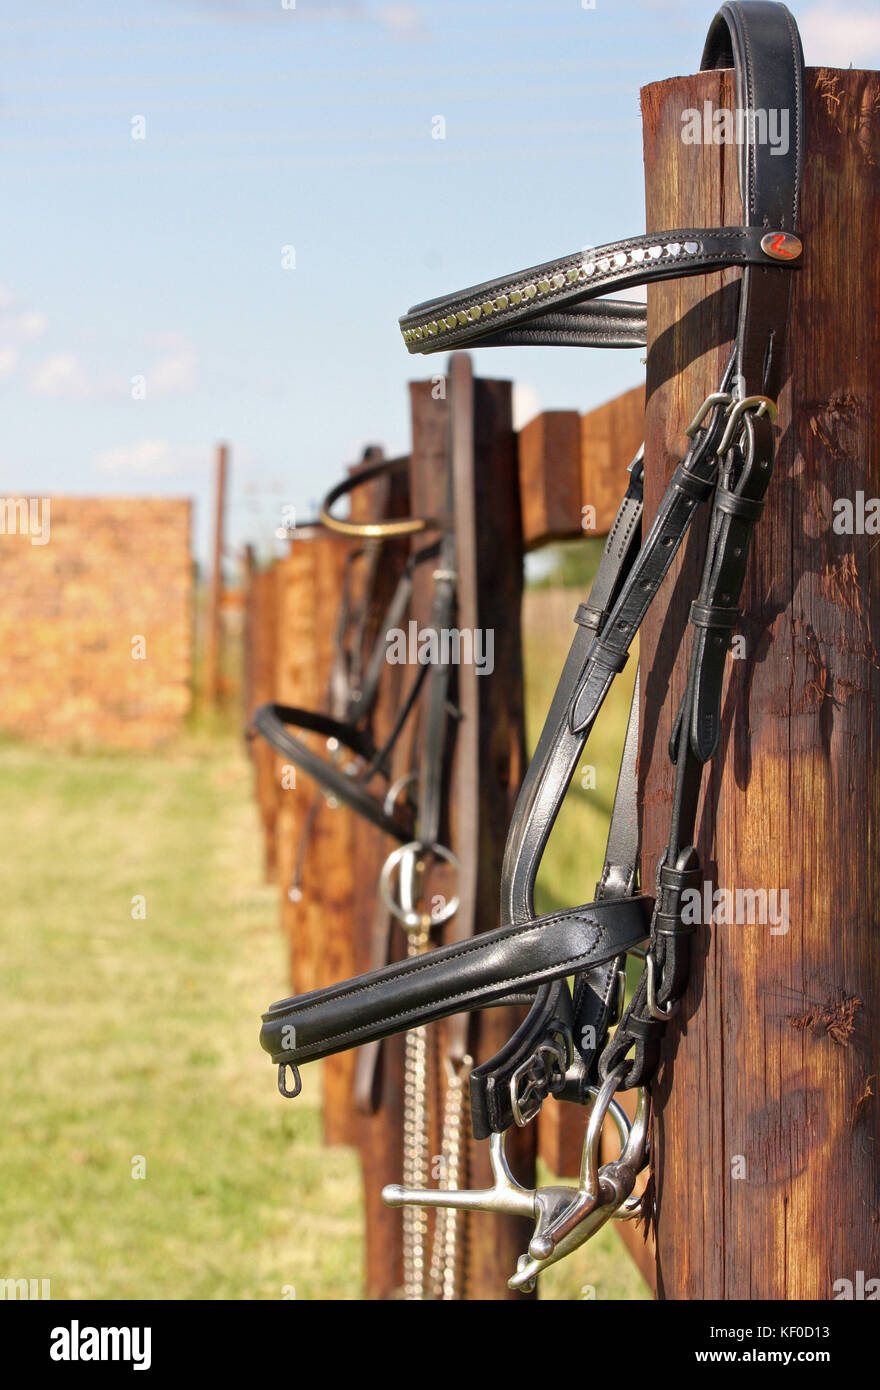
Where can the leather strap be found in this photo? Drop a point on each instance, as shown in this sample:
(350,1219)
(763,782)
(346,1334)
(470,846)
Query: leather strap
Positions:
(274,723)
(463,976)
(514,301)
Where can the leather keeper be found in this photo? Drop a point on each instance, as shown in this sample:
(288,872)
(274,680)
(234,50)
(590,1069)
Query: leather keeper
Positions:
(749,508)
(679,879)
(676,926)
(692,486)
(713,616)
(608,658)
(588,617)
(645,1029)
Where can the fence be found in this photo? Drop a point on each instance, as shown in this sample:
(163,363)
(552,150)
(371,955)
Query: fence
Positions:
(563,473)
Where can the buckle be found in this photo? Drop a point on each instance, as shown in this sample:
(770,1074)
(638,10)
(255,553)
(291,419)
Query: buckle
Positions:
(544,1074)
(716,398)
(654,1010)
(762,405)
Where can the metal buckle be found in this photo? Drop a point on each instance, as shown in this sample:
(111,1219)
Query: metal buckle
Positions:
(762,405)
(716,398)
(393,792)
(672,1005)
(545,1070)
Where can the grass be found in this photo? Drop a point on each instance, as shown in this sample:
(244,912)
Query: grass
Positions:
(128,1038)
(130,1041)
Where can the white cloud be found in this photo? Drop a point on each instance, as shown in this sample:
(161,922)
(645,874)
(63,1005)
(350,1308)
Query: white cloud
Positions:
(16,330)
(173,373)
(835,38)
(61,376)
(150,458)
(32,324)
(404,21)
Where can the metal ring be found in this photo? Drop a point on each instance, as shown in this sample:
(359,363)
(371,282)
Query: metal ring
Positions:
(282,1084)
(603,1103)
(411,919)
(395,789)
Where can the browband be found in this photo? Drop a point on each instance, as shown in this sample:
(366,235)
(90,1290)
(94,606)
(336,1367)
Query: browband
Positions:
(547,301)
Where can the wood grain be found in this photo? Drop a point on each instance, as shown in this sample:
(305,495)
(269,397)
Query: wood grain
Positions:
(766,1136)
(610,438)
(550,477)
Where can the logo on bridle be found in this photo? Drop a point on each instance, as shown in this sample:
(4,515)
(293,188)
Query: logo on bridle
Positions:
(782,246)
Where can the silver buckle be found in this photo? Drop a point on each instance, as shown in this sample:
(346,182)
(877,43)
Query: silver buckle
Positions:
(672,1005)
(716,398)
(547,1059)
(762,405)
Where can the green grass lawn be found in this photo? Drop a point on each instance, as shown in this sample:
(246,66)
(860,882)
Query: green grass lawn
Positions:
(129,1042)
(128,1037)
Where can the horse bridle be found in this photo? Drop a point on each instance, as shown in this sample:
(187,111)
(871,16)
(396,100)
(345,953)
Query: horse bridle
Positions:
(413,806)
(353,764)
(564,1047)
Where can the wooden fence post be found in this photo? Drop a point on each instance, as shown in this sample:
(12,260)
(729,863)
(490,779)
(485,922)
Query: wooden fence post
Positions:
(260,653)
(214,636)
(766,1136)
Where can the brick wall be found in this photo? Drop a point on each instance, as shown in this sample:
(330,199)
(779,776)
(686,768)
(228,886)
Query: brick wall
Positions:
(114,570)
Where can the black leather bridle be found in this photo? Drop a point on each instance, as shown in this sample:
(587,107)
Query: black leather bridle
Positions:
(355,770)
(564,1047)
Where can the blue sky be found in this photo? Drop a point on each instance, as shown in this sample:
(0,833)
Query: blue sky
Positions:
(310,127)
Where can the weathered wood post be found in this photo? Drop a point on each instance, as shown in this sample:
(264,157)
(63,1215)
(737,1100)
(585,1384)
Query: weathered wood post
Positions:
(260,639)
(297,682)
(491,763)
(487,498)
(766,1135)
(377,1098)
(213,677)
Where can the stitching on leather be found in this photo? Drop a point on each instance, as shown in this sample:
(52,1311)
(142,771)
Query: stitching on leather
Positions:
(460,304)
(751,154)
(798,106)
(568,966)
(574,915)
